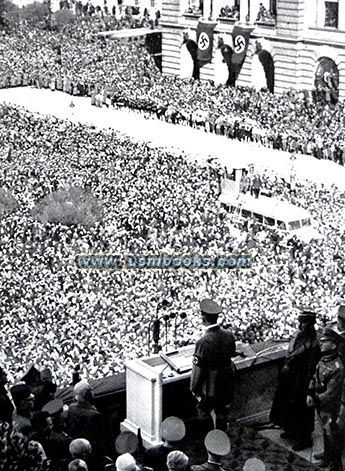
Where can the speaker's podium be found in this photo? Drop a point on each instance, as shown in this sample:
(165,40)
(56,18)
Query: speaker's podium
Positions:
(257,371)
(144,387)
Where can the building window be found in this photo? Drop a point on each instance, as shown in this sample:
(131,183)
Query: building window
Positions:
(195,7)
(331,14)
(265,11)
(230,9)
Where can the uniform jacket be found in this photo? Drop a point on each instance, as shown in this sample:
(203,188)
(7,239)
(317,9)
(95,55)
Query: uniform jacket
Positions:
(326,385)
(207,467)
(213,370)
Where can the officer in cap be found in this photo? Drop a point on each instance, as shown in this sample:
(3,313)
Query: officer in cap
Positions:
(217,444)
(213,373)
(173,430)
(324,394)
(126,442)
(339,324)
(59,441)
(289,408)
(24,404)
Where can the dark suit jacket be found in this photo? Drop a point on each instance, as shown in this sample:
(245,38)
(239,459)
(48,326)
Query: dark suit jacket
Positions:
(84,421)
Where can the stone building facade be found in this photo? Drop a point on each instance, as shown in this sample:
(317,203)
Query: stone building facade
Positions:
(306,38)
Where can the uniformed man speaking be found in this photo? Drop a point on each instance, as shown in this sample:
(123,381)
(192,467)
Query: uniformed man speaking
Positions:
(213,374)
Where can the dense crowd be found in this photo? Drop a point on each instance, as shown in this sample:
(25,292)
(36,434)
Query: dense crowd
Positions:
(57,315)
(40,433)
(80,64)
(54,314)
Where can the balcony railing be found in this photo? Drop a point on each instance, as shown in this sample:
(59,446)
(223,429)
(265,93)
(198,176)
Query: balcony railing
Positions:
(192,13)
(266,24)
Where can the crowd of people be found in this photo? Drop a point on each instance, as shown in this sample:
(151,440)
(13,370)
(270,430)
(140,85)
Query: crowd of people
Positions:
(80,64)
(118,15)
(40,433)
(54,313)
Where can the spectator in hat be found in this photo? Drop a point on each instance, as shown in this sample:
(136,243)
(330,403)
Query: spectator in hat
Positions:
(24,403)
(126,442)
(289,409)
(77,465)
(58,444)
(213,373)
(324,395)
(177,461)
(173,430)
(254,464)
(6,406)
(217,444)
(85,421)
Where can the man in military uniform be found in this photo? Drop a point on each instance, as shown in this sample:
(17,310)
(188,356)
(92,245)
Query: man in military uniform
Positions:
(24,404)
(325,395)
(289,409)
(217,444)
(173,431)
(339,324)
(213,374)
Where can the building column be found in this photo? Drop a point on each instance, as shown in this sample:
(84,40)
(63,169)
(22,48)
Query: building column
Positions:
(244,10)
(207,9)
(216,6)
(341,16)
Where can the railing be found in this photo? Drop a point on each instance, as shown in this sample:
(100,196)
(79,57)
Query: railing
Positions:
(266,24)
(192,13)
(227,19)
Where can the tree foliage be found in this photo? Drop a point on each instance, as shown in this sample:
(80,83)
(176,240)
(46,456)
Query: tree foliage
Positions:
(75,206)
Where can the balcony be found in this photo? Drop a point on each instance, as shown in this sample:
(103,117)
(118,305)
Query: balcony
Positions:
(192,13)
(268,24)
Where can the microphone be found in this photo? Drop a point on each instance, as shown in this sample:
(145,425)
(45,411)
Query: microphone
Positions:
(156,330)
(165,303)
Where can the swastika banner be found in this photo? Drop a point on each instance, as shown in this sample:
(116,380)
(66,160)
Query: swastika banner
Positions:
(204,39)
(240,38)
